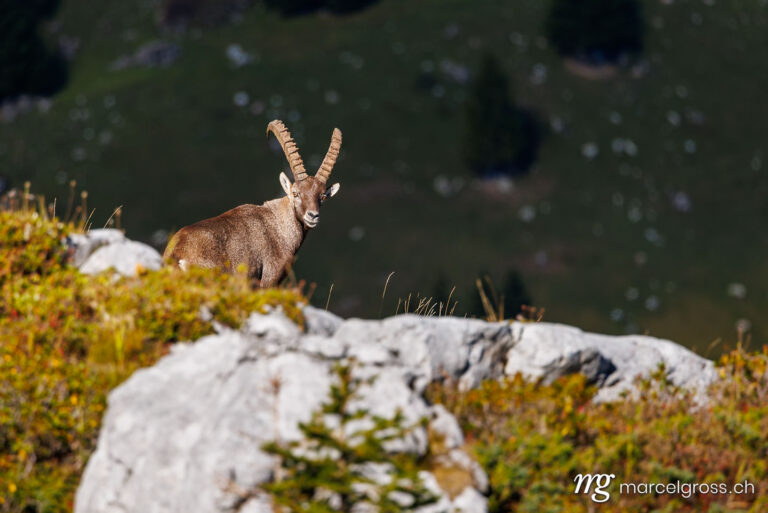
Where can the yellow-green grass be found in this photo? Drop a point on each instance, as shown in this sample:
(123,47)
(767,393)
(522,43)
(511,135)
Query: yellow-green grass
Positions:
(533,440)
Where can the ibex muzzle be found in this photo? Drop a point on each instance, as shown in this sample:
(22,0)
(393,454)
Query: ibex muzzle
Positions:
(263,238)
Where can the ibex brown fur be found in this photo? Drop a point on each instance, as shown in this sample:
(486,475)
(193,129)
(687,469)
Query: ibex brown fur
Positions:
(263,238)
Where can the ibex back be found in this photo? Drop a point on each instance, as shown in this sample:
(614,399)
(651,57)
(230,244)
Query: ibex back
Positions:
(262,238)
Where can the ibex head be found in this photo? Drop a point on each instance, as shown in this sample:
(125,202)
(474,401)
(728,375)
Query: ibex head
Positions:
(307,192)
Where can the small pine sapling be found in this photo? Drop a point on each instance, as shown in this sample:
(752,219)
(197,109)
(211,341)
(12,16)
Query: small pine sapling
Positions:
(331,468)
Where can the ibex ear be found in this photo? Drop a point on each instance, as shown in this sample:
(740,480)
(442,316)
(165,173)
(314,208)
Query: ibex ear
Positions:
(332,190)
(285,182)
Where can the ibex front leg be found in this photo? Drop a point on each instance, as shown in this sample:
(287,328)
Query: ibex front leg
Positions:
(273,274)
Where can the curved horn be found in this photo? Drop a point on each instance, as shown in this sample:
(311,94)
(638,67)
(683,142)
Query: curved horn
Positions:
(330,158)
(289,148)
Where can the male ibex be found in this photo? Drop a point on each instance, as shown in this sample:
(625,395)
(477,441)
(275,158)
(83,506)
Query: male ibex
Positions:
(263,238)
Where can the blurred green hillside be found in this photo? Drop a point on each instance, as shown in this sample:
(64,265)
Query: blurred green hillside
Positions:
(646,210)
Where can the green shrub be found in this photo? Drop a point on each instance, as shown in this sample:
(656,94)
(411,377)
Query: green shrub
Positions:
(28,67)
(299,7)
(345,6)
(293,7)
(596,31)
(499,137)
(67,339)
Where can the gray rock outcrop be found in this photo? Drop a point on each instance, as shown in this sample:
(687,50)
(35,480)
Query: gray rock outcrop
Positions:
(100,250)
(185,435)
(82,245)
(548,351)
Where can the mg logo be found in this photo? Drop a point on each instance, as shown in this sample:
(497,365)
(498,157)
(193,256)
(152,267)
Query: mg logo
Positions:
(601,481)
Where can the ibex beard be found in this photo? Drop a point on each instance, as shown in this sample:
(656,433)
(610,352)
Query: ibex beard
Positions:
(262,239)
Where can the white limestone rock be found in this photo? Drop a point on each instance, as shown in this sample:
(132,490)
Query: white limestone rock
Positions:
(125,257)
(185,433)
